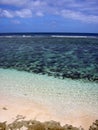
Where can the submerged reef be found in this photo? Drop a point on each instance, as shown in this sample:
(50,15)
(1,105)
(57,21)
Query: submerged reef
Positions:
(74,58)
(37,125)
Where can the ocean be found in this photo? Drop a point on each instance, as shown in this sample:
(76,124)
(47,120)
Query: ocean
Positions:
(72,56)
(57,71)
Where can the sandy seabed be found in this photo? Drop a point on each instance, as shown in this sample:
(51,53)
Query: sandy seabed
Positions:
(35,97)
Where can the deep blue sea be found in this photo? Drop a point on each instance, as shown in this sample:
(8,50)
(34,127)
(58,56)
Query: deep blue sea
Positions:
(62,55)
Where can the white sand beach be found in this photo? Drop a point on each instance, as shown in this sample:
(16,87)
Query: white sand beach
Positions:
(46,98)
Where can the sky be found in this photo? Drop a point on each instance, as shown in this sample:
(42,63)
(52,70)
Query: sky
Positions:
(49,16)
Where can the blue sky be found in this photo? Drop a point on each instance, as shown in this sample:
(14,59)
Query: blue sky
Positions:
(49,16)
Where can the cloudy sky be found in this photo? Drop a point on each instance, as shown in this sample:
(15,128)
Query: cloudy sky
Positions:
(49,16)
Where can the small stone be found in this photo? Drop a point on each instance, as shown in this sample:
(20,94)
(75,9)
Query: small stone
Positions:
(4,108)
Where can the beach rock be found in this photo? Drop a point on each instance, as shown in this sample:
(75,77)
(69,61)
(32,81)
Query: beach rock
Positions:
(94,126)
(52,125)
(3,125)
(20,124)
(15,125)
(26,123)
(36,125)
(70,127)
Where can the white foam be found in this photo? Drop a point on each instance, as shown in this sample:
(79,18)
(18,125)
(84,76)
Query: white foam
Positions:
(63,36)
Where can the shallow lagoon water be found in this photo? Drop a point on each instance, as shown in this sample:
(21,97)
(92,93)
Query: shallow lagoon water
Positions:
(75,58)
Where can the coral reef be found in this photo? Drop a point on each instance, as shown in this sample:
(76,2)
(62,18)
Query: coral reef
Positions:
(37,125)
(58,57)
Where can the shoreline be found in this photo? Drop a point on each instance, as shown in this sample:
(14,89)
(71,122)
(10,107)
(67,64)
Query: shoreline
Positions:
(17,102)
(11,108)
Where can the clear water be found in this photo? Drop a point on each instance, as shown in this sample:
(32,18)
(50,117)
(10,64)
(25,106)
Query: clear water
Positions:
(75,58)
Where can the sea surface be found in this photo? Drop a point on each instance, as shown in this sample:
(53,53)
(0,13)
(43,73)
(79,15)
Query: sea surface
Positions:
(62,55)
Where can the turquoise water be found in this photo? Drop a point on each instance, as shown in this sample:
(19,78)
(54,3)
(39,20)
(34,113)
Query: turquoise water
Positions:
(61,57)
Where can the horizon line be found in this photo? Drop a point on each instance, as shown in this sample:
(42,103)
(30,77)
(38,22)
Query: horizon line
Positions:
(51,32)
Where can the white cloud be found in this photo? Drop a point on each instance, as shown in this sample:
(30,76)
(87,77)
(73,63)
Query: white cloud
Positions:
(23,3)
(36,3)
(85,11)
(6,13)
(24,13)
(79,16)
(39,14)
(14,2)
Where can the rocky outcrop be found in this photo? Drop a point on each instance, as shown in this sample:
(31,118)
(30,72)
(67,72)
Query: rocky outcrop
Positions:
(37,125)
(94,126)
